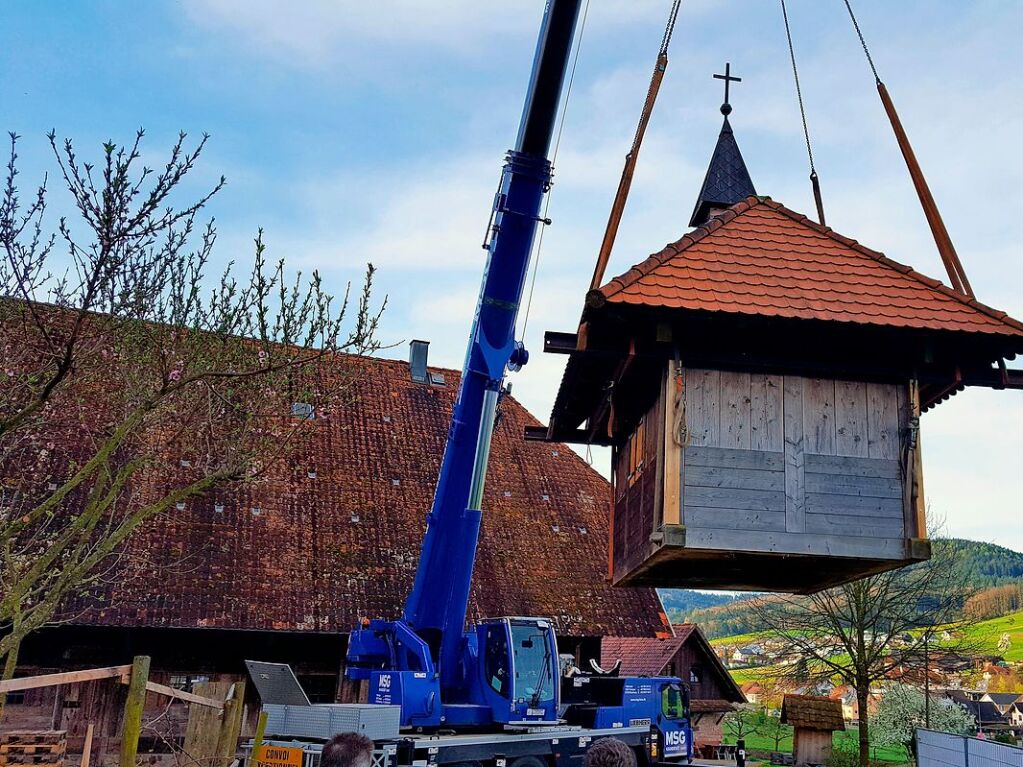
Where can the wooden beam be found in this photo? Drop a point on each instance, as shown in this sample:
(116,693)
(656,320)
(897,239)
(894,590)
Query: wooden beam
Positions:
(575,436)
(172,692)
(671,513)
(133,708)
(230,726)
(87,747)
(995,378)
(555,342)
(66,677)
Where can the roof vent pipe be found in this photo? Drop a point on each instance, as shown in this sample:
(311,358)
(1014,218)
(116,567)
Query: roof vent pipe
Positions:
(417,354)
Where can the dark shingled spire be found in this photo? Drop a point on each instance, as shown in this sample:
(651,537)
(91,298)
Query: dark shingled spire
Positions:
(727,181)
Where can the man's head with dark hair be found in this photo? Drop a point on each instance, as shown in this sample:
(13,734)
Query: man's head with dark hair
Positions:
(610,752)
(347,750)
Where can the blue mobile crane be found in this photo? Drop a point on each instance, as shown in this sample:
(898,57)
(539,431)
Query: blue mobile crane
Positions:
(502,673)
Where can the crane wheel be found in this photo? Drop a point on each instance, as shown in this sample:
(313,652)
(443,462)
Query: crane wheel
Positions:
(527,761)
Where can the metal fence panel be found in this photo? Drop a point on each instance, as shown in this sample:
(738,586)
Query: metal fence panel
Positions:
(940,749)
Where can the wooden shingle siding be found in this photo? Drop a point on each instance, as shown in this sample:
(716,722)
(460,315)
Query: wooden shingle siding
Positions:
(793,454)
(768,483)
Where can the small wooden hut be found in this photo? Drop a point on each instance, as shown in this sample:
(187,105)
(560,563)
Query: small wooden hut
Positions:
(761,382)
(813,720)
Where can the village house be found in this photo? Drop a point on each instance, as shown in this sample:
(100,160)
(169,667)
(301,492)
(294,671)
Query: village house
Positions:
(687,655)
(754,692)
(986,716)
(1002,701)
(1015,714)
(282,569)
(846,695)
(749,655)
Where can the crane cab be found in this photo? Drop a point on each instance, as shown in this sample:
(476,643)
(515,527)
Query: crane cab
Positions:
(516,660)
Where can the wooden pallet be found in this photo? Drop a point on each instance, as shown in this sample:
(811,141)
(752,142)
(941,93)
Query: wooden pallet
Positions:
(45,749)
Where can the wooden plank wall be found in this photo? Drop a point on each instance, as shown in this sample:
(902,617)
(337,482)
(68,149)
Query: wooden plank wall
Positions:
(636,513)
(788,454)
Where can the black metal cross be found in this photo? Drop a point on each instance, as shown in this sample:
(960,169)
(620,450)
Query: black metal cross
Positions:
(727,77)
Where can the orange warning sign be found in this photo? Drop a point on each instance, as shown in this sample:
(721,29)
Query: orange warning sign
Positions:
(279,756)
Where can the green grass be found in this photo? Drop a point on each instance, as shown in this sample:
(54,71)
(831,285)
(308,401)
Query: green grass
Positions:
(850,739)
(740,639)
(753,674)
(986,635)
(847,739)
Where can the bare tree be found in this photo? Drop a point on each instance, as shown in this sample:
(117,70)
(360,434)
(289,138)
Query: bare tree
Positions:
(775,730)
(743,721)
(871,629)
(131,381)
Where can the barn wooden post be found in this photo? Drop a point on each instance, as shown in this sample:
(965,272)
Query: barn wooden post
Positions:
(230,726)
(133,708)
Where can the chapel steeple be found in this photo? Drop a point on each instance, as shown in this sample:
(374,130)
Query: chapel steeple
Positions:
(727,181)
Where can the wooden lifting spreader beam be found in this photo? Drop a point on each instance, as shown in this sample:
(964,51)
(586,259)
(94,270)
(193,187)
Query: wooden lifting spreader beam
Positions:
(946,249)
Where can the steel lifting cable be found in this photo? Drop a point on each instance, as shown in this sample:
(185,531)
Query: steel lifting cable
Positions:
(814,180)
(947,251)
(554,159)
(614,218)
(863,42)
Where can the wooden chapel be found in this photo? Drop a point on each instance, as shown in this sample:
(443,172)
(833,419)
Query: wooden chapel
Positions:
(761,381)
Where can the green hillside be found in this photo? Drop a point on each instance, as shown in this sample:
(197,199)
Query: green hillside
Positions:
(987,634)
(680,603)
(985,565)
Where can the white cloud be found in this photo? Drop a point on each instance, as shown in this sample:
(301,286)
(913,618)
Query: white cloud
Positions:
(320,33)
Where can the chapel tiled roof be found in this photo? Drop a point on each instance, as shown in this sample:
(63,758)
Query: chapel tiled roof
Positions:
(812,713)
(760,258)
(334,535)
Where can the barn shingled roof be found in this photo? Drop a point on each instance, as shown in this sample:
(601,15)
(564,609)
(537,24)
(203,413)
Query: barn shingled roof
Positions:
(646,656)
(812,713)
(334,535)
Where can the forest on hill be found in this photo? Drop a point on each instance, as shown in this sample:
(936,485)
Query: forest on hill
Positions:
(994,573)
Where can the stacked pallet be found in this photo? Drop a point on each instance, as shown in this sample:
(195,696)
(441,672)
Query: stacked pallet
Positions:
(45,749)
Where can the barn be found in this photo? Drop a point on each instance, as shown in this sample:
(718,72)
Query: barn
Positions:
(689,656)
(282,569)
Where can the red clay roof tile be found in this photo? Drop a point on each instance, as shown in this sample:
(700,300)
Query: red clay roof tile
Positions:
(337,532)
(760,258)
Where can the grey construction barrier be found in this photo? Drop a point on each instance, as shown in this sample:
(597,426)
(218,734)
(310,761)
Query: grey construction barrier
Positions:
(941,749)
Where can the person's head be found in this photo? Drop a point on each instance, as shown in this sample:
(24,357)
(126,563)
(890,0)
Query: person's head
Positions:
(347,750)
(610,752)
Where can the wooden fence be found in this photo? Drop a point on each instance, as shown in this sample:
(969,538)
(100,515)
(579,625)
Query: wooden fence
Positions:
(214,717)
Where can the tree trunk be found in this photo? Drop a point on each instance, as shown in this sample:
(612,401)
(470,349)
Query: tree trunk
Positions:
(10,664)
(862,697)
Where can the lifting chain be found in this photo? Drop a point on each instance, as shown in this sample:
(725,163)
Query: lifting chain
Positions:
(680,428)
(814,180)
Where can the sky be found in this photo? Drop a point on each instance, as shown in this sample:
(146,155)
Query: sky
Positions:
(357,132)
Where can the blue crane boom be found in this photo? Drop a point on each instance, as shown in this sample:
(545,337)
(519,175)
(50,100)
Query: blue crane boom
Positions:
(439,599)
(437,661)
(503,671)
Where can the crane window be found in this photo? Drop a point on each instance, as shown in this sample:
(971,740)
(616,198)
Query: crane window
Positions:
(672,703)
(532,676)
(496,659)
